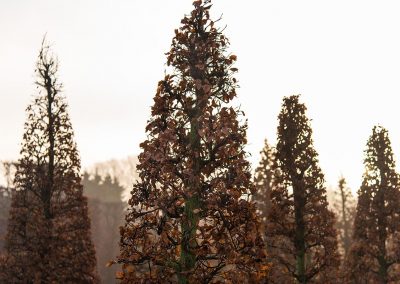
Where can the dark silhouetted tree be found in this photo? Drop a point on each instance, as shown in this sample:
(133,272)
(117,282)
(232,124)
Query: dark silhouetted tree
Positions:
(374,256)
(190,218)
(263,180)
(106,211)
(301,238)
(48,238)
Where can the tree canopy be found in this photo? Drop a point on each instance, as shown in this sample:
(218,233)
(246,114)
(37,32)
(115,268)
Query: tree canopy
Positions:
(190,218)
(48,238)
(300,232)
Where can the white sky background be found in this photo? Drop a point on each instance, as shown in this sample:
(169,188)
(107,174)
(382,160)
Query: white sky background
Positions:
(342,56)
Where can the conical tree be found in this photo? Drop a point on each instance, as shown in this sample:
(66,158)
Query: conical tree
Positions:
(190,218)
(375,253)
(345,209)
(48,238)
(300,233)
(263,180)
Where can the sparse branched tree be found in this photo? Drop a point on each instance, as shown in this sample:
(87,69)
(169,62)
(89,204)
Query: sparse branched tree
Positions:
(301,238)
(190,218)
(48,238)
(374,256)
(345,209)
(263,180)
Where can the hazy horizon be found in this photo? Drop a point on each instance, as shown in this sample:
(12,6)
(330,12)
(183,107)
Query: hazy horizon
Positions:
(343,57)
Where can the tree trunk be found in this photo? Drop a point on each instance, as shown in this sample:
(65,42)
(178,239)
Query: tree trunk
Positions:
(50,182)
(191,219)
(382,222)
(299,241)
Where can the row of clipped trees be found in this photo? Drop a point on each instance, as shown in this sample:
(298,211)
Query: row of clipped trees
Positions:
(192,216)
(304,239)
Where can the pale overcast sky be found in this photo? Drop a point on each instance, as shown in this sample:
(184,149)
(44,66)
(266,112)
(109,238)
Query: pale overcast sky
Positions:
(342,56)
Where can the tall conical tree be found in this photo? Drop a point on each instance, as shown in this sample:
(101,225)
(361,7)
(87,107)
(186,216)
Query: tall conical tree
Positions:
(48,238)
(263,180)
(375,253)
(300,233)
(190,218)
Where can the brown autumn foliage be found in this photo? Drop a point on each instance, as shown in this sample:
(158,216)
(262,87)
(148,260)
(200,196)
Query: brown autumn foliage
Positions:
(106,212)
(48,237)
(190,219)
(300,234)
(263,180)
(374,256)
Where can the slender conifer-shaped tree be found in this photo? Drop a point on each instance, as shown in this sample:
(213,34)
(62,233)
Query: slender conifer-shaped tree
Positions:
(190,218)
(375,252)
(300,230)
(48,238)
(345,208)
(263,180)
